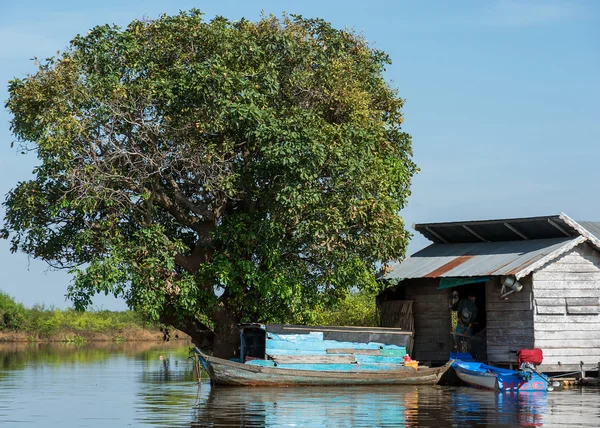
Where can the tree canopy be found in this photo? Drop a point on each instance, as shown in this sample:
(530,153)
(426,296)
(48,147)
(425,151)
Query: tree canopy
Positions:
(212,172)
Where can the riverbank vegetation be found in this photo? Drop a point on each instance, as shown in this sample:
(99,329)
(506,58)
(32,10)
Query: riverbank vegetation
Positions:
(39,323)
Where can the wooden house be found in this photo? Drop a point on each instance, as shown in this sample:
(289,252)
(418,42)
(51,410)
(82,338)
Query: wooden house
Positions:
(536,280)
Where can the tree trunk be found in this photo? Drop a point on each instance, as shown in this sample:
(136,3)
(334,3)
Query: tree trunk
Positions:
(201,335)
(224,341)
(227,334)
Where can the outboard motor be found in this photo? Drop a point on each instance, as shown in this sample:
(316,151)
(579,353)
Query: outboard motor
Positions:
(528,360)
(525,371)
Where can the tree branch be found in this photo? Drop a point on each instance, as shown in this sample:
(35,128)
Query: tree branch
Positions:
(202,336)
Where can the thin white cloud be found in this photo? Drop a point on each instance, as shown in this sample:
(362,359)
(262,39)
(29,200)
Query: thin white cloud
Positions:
(520,13)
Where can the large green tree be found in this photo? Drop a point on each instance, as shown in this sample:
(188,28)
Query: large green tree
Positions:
(212,172)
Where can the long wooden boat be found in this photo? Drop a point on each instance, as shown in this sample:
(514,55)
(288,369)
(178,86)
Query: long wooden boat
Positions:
(480,375)
(225,372)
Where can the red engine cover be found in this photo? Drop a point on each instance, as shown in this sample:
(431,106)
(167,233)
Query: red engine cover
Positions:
(533,356)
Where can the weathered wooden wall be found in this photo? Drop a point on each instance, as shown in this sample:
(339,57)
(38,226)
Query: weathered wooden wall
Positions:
(397,314)
(509,322)
(432,320)
(567,311)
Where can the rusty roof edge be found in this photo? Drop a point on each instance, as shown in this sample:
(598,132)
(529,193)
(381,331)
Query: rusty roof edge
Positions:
(556,253)
(581,230)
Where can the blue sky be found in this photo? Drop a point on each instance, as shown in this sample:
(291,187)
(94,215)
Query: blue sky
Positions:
(502,101)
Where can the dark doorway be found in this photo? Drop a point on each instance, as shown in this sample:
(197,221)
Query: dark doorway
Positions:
(477,290)
(475,343)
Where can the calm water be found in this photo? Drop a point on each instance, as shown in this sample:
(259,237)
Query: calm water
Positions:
(152,384)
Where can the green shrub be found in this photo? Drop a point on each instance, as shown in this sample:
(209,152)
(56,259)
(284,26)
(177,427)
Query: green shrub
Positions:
(42,320)
(12,314)
(358,309)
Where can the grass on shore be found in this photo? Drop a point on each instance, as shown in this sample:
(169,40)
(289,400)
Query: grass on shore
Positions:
(40,321)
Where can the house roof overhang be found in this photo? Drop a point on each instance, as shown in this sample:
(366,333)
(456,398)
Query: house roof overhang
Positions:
(501,230)
(514,247)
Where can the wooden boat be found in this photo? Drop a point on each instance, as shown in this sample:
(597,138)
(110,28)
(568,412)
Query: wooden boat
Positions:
(225,372)
(480,375)
(296,355)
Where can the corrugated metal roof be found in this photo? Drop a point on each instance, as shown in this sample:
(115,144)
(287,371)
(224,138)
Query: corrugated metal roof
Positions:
(480,259)
(591,226)
(494,247)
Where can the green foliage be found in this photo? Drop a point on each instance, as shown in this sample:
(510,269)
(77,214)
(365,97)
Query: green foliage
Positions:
(12,314)
(358,309)
(178,157)
(49,321)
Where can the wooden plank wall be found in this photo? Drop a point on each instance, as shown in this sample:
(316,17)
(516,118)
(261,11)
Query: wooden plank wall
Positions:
(432,320)
(399,314)
(509,322)
(567,311)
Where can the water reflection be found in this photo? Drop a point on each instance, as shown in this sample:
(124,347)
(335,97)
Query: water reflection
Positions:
(314,407)
(153,384)
(96,384)
(16,356)
(524,409)
(381,407)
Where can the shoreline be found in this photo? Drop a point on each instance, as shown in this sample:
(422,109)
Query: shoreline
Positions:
(73,336)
